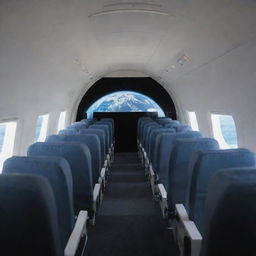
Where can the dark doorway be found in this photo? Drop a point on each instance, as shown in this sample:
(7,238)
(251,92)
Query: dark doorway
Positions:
(125,128)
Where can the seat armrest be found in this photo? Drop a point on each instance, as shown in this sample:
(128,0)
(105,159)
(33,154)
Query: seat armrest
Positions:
(188,236)
(106,164)
(181,212)
(108,158)
(103,173)
(163,199)
(162,191)
(79,231)
(145,154)
(151,171)
(151,176)
(103,177)
(96,196)
(194,239)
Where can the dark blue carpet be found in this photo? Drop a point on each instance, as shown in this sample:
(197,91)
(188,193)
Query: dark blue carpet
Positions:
(129,221)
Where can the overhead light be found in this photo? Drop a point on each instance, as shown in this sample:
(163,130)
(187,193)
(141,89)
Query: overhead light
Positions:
(101,13)
(183,59)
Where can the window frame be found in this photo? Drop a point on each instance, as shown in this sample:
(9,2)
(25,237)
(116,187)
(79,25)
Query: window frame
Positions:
(39,139)
(194,126)
(218,133)
(8,139)
(64,122)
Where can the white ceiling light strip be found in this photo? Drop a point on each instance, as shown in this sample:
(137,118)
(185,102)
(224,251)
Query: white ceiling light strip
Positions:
(127,11)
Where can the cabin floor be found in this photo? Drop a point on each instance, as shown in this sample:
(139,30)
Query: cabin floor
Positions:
(129,221)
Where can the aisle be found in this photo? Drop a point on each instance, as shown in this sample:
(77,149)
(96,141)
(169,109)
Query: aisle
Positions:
(129,221)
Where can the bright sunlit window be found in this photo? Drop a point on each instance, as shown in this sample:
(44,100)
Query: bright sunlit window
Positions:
(41,127)
(62,121)
(125,101)
(193,121)
(224,130)
(7,138)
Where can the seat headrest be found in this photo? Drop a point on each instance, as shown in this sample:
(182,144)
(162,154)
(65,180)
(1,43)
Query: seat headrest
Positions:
(68,131)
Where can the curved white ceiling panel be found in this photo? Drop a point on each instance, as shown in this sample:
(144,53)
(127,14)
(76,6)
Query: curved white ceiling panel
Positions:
(63,46)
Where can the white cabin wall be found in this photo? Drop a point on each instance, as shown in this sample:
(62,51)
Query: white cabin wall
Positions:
(224,86)
(51,52)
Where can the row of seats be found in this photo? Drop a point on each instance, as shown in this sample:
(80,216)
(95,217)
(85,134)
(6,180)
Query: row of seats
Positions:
(192,178)
(50,194)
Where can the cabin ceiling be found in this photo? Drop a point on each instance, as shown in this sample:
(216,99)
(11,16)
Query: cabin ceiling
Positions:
(64,46)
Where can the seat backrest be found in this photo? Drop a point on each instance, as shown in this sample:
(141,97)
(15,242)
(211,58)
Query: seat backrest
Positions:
(143,123)
(167,121)
(156,149)
(152,139)
(143,127)
(111,120)
(172,125)
(204,165)
(78,126)
(165,149)
(57,171)
(28,216)
(230,214)
(105,128)
(101,135)
(179,166)
(91,141)
(79,159)
(146,131)
(68,131)
(87,121)
(148,136)
(110,128)
(183,128)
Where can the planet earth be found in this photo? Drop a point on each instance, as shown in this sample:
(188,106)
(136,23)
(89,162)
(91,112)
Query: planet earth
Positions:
(124,101)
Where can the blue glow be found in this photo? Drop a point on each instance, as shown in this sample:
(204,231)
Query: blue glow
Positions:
(39,123)
(124,101)
(2,134)
(228,129)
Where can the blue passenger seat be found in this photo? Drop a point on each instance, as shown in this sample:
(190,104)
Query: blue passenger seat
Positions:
(57,171)
(203,166)
(165,147)
(79,159)
(28,217)
(102,137)
(92,142)
(230,214)
(178,172)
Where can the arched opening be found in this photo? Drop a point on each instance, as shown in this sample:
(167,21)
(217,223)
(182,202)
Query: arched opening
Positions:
(144,85)
(124,101)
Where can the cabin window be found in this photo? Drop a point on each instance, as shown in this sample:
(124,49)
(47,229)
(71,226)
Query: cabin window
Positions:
(125,101)
(193,120)
(7,138)
(62,121)
(224,130)
(41,127)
